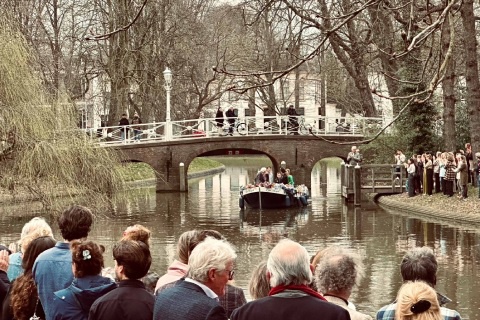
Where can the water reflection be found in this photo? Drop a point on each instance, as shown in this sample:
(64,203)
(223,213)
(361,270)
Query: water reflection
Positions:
(381,236)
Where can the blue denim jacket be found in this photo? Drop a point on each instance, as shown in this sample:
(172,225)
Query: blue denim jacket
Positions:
(15,266)
(52,271)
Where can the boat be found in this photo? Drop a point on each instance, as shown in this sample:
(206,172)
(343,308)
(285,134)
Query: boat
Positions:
(273,196)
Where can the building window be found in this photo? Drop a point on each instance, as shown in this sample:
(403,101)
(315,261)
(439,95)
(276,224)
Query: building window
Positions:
(233,96)
(318,88)
(286,89)
(301,90)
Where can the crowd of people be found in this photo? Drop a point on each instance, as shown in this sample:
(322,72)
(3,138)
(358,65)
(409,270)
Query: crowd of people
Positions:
(442,172)
(265,177)
(67,279)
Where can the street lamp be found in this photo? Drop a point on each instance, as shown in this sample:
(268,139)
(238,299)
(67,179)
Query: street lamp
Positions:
(167,75)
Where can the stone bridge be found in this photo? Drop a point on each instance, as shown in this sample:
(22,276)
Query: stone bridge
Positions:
(300,153)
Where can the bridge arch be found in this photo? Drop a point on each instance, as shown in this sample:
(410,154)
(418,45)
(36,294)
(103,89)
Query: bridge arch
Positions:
(300,153)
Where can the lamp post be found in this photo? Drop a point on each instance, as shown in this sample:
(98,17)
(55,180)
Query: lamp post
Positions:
(167,75)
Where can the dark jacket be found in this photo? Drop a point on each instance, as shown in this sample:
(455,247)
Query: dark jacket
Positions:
(230,116)
(124,122)
(136,120)
(292,114)
(279,308)
(219,118)
(186,300)
(130,301)
(75,301)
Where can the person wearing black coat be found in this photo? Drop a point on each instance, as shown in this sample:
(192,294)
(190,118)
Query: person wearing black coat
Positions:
(292,119)
(231,119)
(219,119)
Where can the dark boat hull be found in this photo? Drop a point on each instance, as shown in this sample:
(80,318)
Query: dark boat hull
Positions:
(268,198)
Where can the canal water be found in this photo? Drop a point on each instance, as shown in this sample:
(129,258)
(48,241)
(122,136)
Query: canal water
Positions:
(380,236)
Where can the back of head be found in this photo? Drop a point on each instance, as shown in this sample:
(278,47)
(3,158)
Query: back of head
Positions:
(190,239)
(134,256)
(338,272)
(37,227)
(288,264)
(75,222)
(87,257)
(36,223)
(419,264)
(36,246)
(259,285)
(186,243)
(209,254)
(417,301)
(138,233)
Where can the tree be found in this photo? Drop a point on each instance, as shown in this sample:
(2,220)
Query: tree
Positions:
(41,150)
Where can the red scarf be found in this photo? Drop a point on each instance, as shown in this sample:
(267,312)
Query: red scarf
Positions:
(300,287)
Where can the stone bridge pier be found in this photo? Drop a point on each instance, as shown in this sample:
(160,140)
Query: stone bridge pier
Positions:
(300,153)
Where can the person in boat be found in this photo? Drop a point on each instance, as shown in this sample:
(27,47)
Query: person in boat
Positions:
(260,178)
(278,178)
(284,176)
(289,177)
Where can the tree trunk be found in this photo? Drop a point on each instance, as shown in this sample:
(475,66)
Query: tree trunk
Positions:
(471,72)
(448,84)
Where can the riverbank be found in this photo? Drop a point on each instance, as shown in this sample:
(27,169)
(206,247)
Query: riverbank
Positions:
(438,207)
(134,174)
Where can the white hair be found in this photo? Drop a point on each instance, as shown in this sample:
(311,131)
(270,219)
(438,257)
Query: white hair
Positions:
(209,254)
(35,228)
(289,263)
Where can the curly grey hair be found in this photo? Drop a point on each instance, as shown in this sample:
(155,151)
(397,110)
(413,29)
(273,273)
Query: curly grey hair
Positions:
(339,271)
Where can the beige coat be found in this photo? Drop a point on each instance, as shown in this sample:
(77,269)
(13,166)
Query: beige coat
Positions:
(354,314)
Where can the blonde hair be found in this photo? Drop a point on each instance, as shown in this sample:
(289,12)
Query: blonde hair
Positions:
(259,285)
(33,229)
(417,301)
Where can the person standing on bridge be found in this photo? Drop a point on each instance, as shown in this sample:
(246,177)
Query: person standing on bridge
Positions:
(231,117)
(124,126)
(137,132)
(292,119)
(219,120)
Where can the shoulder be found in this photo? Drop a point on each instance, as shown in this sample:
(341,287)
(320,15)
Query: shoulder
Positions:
(450,314)
(387,312)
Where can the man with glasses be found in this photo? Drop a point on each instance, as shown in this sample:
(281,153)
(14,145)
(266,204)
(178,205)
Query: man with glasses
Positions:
(197,295)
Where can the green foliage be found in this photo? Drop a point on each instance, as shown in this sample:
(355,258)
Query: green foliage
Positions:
(382,149)
(42,152)
(201,164)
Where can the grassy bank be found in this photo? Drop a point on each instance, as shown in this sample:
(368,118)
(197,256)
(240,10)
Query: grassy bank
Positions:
(141,171)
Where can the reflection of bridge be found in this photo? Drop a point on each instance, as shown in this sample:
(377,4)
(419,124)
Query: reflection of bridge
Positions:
(165,146)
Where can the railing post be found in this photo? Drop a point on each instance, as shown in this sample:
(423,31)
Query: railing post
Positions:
(182,177)
(357,184)
(168,130)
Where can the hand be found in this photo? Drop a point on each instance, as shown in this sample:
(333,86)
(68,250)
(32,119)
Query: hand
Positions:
(4,261)
(12,247)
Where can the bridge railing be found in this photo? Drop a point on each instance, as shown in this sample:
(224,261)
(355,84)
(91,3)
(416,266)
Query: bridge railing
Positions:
(127,134)
(243,126)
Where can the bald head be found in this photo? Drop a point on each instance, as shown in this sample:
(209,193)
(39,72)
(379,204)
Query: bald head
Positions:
(288,263)
(354,148)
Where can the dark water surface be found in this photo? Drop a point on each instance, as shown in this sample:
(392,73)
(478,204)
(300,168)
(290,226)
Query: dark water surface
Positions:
(380,236)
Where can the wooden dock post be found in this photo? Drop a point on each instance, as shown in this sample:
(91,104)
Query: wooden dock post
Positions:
(357,184)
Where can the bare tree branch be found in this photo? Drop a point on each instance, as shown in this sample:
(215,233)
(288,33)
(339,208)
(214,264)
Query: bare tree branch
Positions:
(121,29)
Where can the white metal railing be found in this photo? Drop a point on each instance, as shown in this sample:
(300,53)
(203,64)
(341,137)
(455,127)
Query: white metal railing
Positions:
(246,126)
